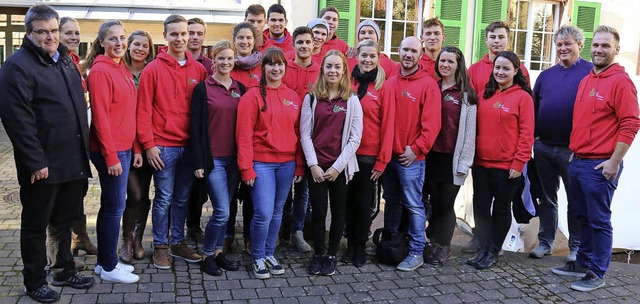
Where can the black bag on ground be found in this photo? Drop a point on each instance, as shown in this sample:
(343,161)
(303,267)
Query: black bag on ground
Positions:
(390,250)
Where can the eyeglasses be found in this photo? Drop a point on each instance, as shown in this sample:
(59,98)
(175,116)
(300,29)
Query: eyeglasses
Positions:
(42,32)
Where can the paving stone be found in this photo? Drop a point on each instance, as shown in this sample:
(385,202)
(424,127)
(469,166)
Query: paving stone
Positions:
(218,295)
(138,297)
(243,294)
(110,298)
(162,297)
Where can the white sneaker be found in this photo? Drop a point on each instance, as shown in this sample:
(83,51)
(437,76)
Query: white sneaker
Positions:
(118,275)
(128,268)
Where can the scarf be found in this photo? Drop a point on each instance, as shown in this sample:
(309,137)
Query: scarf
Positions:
(250,61)
(364,79)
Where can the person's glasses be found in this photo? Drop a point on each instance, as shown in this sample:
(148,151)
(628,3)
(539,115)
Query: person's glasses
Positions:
(42,32)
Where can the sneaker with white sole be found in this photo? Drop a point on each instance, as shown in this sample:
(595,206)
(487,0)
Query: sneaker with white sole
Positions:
(539,252)
(128,268)
(570,269)
(119,275)
(260,269)
(273,265)
(589,282)
(411,263)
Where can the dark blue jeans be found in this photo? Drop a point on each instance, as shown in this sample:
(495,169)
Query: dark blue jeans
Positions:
(590,197)
(552,163)
(113,197)
(300,204)
(222,182)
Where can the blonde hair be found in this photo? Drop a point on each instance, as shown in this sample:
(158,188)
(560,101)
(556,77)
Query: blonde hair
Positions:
(381,75)
(221,46)
(344,85)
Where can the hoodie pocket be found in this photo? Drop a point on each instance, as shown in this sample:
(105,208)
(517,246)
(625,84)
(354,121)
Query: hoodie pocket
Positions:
(491,148)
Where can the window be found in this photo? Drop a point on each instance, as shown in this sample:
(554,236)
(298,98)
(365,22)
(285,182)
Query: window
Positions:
(532,26)
(397,19)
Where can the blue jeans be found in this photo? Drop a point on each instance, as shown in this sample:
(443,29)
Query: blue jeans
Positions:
(403,188)
(223,182)
(269,193)
(590,197)
(173,188)
(113,197)
(552,163)
(300,203)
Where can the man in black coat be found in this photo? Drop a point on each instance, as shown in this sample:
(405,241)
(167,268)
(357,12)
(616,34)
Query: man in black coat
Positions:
(45,115)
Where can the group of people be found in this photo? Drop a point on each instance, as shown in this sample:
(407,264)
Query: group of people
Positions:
(270,108)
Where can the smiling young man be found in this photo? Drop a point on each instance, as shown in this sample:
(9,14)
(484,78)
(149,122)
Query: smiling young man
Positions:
(163,119)
(605,123)
(331,16)
(256,16)
(417,124)
(554,96)
(277,33)
(432,38)
(197,30)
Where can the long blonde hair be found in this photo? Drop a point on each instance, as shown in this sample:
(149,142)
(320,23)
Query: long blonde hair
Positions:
(381,75)
(344,85)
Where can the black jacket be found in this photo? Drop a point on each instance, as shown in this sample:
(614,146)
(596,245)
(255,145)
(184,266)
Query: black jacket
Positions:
(45,114)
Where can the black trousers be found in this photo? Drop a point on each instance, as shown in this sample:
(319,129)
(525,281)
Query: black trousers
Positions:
(442,197)
(319,196)
(197,199)
(492,187)
(359,195)
(59,206)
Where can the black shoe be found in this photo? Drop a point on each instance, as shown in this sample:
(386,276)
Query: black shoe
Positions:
(315,265)
(479,257)
(489,260)
(75,281)
(347,258)
(226,264)
(329,265)
(472,246)
(44,294)
(210,267)
(359,257)
(196,234)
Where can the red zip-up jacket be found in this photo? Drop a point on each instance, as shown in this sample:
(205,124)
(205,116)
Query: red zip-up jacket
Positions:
(286,45)
(164,101)
(379,110)
(112,94)
(605,113)
(272,135)
(301,79)
(335,43)
(249,78)
(505,129)
(389,66)
(480,72)
(418,107)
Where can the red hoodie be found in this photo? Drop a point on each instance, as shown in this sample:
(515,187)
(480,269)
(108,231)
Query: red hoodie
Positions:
(378,108)
(301,79)
(286,45)
(249,78)
(164,100)
(389,66)
(505,129)
(429,66)
(112,95)
(335,44)
(272,135)
(418,107)
(480,72)
(605,113)
(265,45)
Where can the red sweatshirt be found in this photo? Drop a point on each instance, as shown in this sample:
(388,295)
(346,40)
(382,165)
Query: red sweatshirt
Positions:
(272,135)
(301,79)
(249,78)
(417,119)
(480,72)
(112,95)
(605,113)
(286,45)
(335,44)
(429,66)
(267,44)
(378,109)
(389,66)
(505,129)
(164,101)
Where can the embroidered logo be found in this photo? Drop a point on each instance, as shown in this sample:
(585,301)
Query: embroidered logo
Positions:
(337,109)
(450,98)
(500,106)
(255,76)
(289,103)
(310,85)
(595,93)
(235,94)
(407,94)
(192,81)
(372,96)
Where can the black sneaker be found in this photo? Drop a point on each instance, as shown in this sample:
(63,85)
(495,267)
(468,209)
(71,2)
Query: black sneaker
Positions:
(315,265)
(210,267)
(570,269)
(273,265)
(75,281)
(44,294)
(260,269)
(225,263)
(329,265)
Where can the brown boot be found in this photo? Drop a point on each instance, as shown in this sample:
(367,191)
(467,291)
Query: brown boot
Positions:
(126,251)
(80,239)
(138,233)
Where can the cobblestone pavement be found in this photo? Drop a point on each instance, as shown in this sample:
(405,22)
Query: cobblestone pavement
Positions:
(515,279)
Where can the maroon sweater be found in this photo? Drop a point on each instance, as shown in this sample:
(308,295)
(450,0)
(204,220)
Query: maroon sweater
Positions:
(329,119)
(451,106)
(222,105)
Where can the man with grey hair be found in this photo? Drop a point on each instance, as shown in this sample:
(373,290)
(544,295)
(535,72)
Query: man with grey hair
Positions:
(554,95)
(45,116)
(605,122)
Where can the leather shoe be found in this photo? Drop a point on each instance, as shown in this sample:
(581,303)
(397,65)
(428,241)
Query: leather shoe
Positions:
(479,257)
(489,260)
(226,264)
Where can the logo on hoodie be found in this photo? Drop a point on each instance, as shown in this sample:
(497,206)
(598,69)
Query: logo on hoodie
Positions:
(255,76)
(373,96)
(596,94)
(500,106)
(192,81)
(310,85)
(407,94)
(289,103)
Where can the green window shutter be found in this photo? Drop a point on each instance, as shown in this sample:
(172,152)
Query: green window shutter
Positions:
(453,14)
(586,15)
(487,11)
(347,22)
